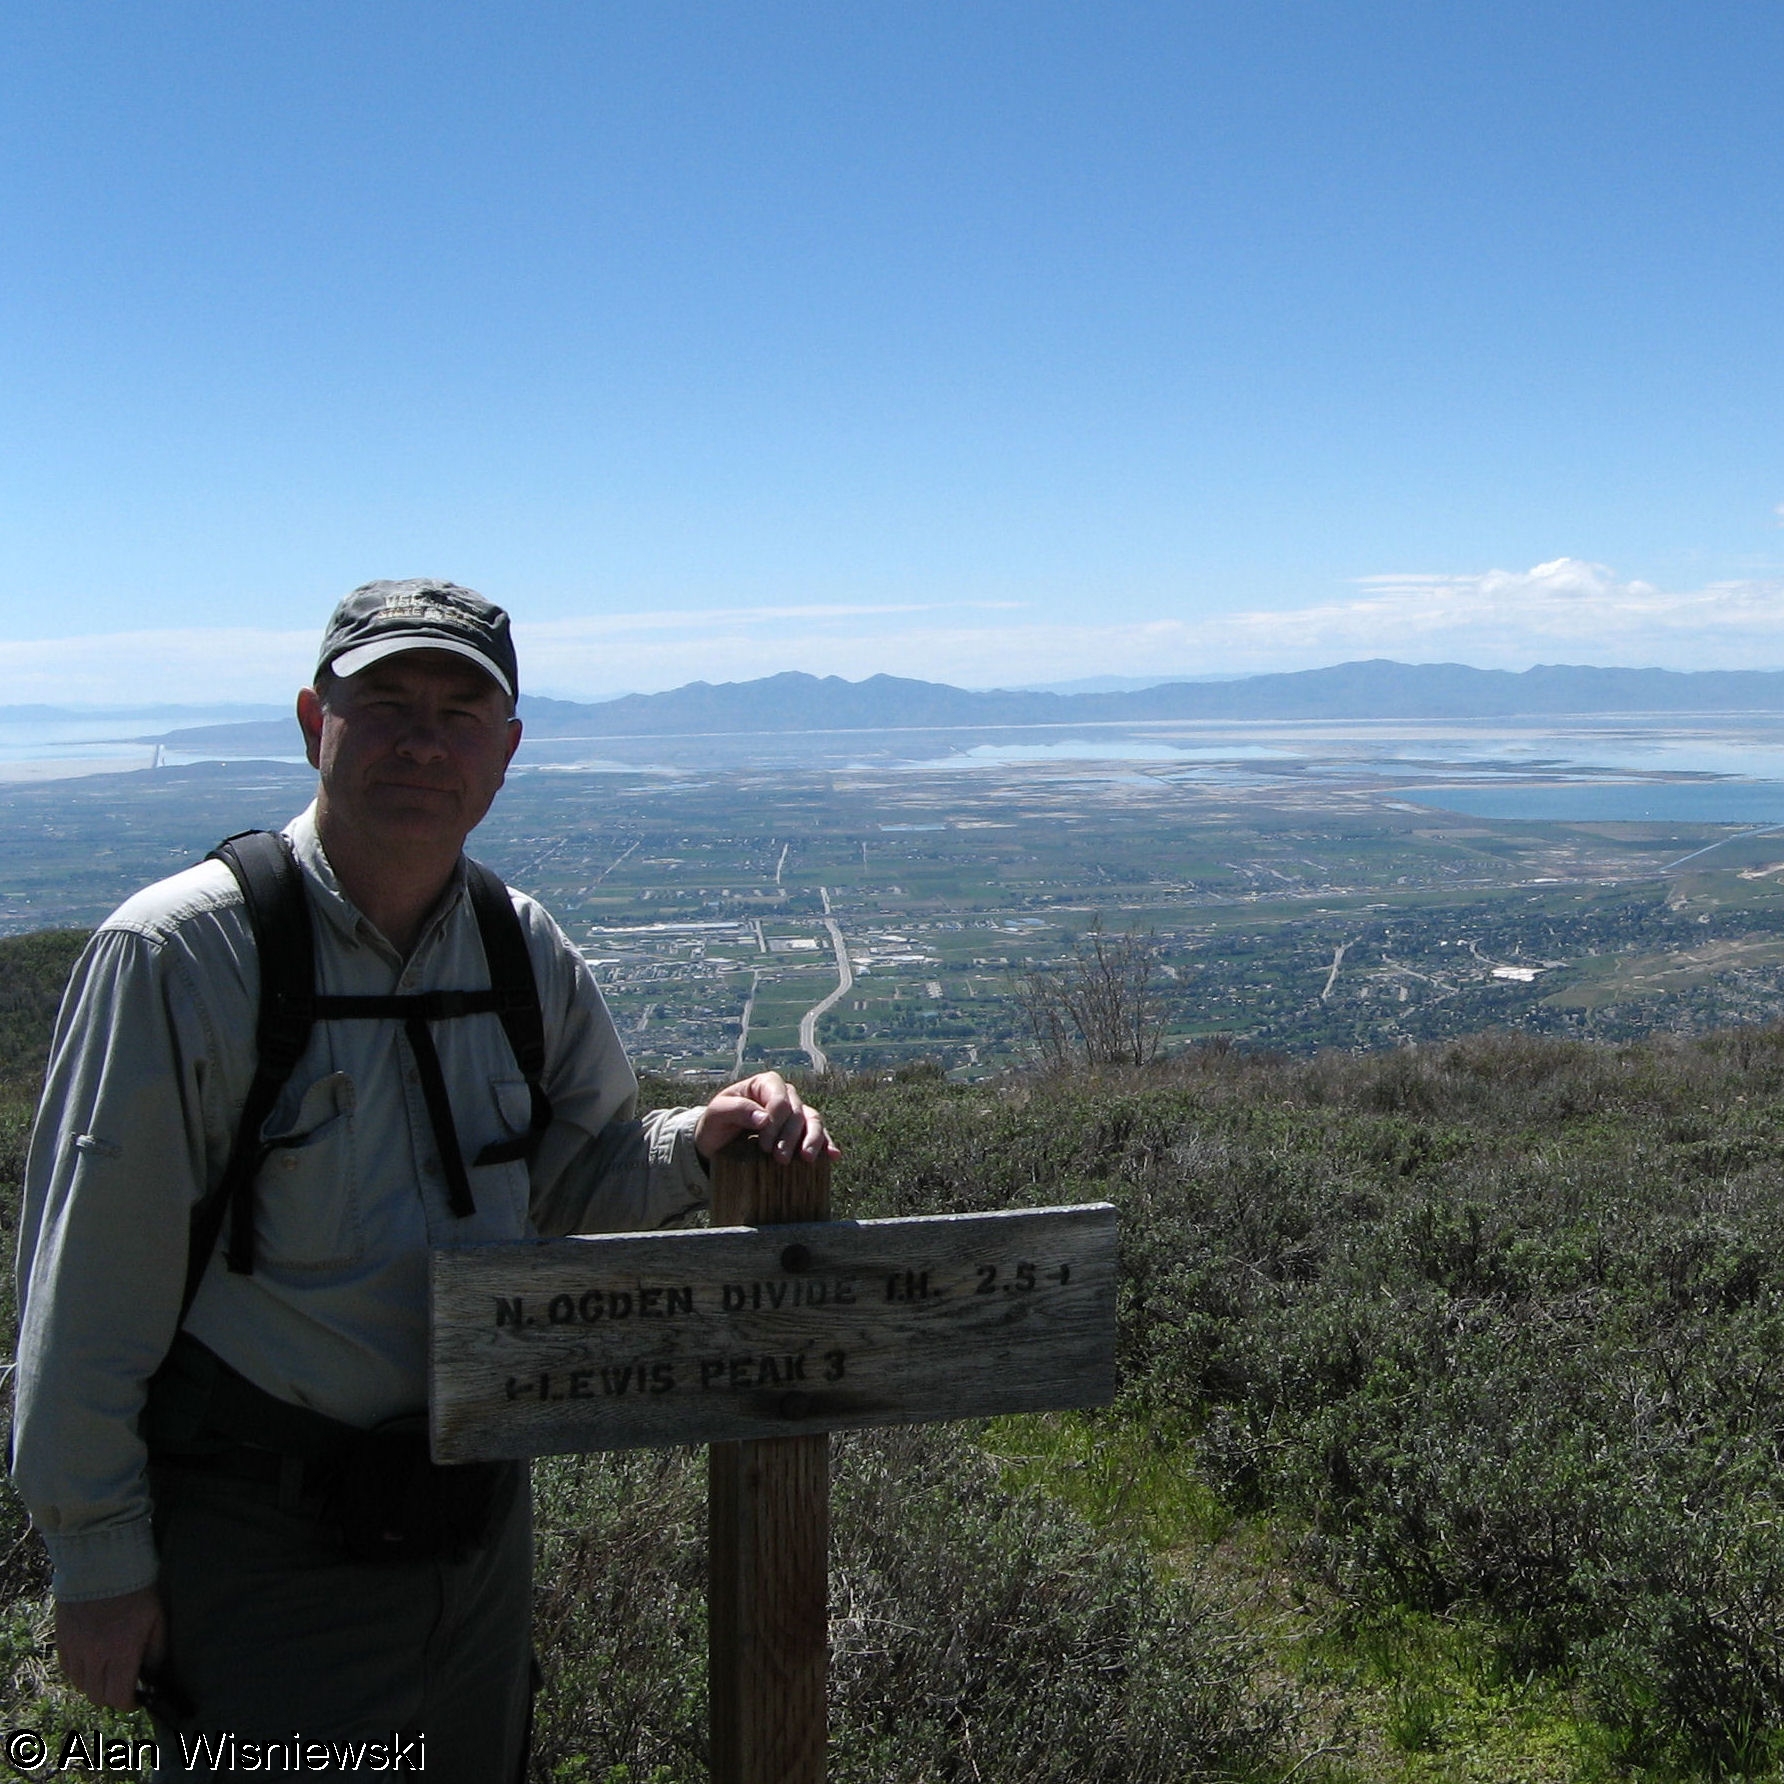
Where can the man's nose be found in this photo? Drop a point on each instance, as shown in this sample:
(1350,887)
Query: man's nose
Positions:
(423,738)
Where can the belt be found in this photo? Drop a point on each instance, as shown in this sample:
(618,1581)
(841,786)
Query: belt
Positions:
(293,1476)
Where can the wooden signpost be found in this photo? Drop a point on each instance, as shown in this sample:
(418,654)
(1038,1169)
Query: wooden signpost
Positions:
(758,1335)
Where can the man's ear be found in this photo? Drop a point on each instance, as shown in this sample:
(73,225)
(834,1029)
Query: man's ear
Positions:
(309,719)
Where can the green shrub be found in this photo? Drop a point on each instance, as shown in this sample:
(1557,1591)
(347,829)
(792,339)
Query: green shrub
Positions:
(1497,1326)
(976,1631)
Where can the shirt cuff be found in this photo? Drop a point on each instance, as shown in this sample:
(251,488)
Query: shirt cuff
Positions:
(672,1150)
(102,1563)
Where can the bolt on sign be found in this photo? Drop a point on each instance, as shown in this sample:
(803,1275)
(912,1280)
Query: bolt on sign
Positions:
(758,1337)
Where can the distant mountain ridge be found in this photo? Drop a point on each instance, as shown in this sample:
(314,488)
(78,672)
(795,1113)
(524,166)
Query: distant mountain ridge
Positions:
(1378,689)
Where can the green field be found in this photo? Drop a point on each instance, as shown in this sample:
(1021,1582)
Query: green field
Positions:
(694,891)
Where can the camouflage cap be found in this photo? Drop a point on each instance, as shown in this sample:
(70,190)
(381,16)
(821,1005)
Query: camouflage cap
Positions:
(380,619)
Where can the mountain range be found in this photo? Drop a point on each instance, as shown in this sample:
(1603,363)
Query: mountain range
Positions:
(1378,689)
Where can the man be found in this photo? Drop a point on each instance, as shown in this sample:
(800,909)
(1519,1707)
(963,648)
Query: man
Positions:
(192,1469)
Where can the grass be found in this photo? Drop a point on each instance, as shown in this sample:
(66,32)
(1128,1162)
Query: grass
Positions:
(1126,1476)
(1387,1697)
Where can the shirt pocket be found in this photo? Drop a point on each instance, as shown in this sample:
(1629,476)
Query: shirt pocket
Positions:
(514,1104)
(502,1191)
(306,1198)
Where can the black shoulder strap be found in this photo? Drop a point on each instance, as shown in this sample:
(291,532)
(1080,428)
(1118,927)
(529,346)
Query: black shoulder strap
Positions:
(279,915)
(512,980)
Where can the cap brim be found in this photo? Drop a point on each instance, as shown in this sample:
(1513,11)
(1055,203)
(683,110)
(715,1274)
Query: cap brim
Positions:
(363,656)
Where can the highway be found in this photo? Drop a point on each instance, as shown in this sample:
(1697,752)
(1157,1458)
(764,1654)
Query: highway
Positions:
(845,979)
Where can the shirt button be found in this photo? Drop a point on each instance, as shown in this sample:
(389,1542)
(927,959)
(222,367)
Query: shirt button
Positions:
(288,1161)
(430,1167)
(411,1076)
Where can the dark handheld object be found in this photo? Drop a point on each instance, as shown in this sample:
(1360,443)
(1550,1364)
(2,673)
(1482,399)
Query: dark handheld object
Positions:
(160,1694)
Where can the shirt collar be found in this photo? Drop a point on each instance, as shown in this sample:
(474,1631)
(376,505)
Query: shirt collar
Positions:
(341,912)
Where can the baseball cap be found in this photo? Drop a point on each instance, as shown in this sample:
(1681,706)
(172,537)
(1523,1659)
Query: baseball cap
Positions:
(379,619)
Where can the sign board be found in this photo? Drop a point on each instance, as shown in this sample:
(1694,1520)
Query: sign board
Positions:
(724,1333)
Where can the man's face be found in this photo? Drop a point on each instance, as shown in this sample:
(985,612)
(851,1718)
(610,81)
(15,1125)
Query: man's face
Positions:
(412,749)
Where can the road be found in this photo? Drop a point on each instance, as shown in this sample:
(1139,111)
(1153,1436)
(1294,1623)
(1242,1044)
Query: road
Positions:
(1722,842)
(743,1027)
(845,979)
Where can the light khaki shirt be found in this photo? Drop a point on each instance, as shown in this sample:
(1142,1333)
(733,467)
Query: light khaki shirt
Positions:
(153,1052)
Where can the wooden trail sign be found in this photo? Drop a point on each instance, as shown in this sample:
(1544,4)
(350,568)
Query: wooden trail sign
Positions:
(758,1336)
(718,1334)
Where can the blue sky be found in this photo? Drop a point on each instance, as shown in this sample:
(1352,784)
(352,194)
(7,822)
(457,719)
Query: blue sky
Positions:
(988,342)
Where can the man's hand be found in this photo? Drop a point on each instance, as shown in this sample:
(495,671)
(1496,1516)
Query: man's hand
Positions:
(104,1644)
(768,1107)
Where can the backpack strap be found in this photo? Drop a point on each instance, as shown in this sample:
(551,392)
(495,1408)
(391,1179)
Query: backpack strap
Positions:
(516,989)
(271,883)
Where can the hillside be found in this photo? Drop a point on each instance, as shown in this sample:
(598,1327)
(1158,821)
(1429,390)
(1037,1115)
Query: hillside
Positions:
(1453,1392)
(1371,690)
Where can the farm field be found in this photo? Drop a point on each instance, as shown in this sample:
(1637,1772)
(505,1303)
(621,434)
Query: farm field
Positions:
(1288,911)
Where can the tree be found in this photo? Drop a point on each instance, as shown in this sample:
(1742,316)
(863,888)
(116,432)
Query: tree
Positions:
(1102,1007)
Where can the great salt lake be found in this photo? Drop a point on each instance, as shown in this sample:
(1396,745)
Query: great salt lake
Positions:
(1713,768)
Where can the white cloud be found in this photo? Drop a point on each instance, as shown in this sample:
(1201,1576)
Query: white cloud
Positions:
(1567,610)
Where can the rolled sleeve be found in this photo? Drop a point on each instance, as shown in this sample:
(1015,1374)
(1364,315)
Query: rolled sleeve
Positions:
(639,1173)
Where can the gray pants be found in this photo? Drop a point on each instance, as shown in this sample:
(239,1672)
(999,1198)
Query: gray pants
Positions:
(275,1638)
